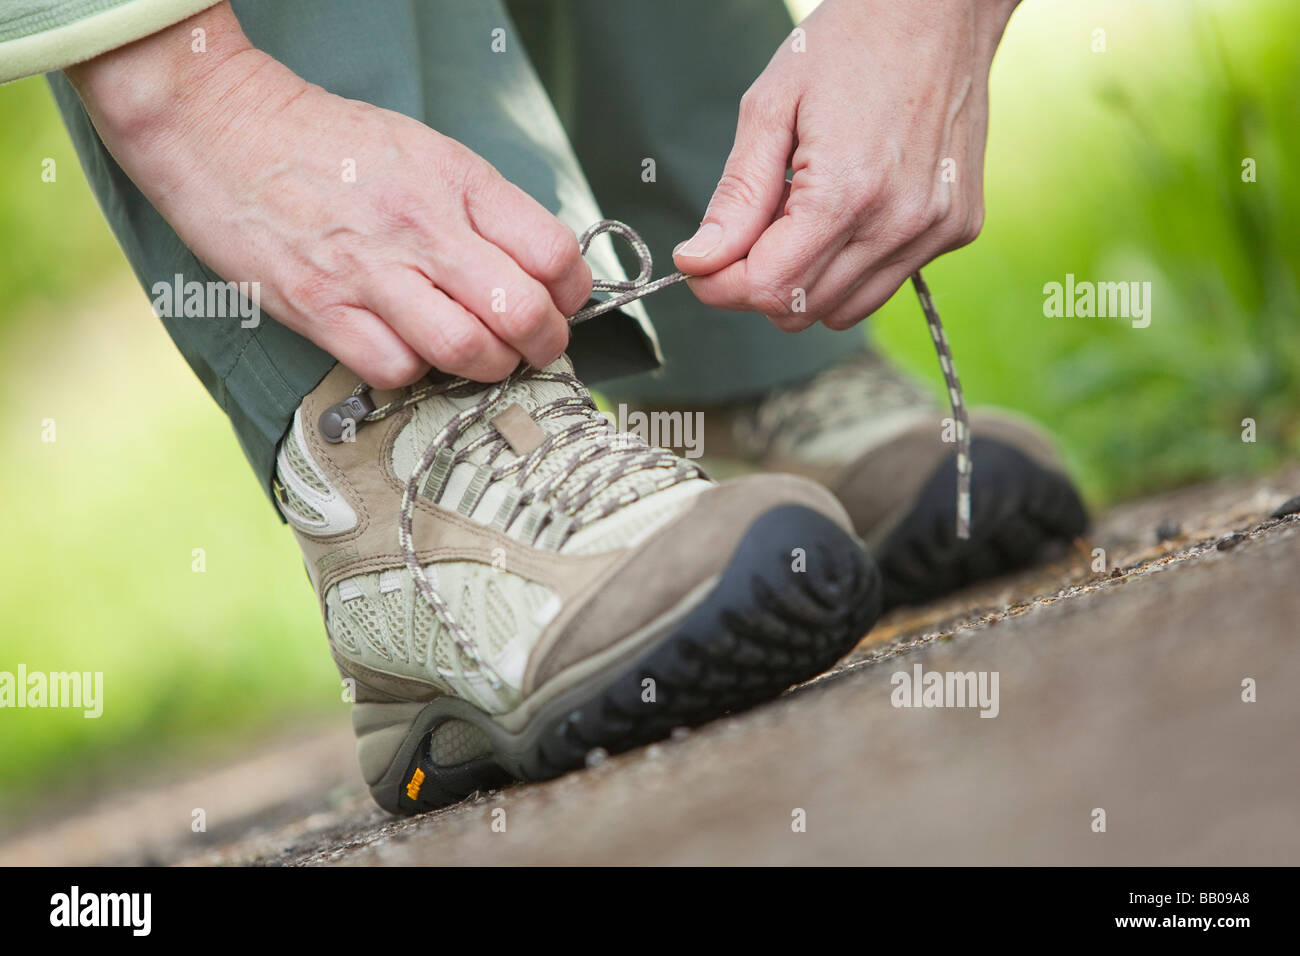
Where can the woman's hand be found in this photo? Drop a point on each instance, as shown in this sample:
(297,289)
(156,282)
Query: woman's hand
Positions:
(388,245)
(881,110)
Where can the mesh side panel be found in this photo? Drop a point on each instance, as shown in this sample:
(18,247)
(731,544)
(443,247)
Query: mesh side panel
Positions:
(370,621)
(446,655)
(498,618)
(398,631)
(341,630)
(457,741)
(397,618)
(297,459)
(468,611)
(294,502)
(423,628)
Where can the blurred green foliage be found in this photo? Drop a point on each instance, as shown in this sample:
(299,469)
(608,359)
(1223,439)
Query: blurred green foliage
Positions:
(1127,165)
(1114,166)
(52,239)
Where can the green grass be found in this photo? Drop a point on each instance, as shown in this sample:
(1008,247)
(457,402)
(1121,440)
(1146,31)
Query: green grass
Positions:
(1114,166)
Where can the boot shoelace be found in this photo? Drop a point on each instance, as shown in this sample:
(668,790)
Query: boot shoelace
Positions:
(622,455)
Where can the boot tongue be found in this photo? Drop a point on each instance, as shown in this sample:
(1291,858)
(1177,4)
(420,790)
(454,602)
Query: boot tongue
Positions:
(529,394)
(431,415)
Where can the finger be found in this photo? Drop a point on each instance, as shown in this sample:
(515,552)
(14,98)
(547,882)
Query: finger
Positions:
(515,306)
(439,329)
(884,266)
(876,288)
(854,266)
(540,244)
(752,187)
(784,264)
(364,343)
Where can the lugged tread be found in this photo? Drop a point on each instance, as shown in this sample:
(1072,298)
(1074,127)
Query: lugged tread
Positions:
(763,628)
(1017,507)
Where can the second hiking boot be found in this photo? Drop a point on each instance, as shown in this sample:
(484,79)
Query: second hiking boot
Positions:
(877,441)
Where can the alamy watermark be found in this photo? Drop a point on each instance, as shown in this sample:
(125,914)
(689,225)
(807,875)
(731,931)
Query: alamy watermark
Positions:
(678,430)
(128,910)
(76,690)
(1103,300)
(179,299)
(946,689)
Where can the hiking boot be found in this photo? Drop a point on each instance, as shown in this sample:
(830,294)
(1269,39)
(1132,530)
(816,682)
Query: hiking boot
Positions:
(508,584)
(879,442)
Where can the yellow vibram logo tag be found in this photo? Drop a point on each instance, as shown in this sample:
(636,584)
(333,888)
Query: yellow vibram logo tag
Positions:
(413,788)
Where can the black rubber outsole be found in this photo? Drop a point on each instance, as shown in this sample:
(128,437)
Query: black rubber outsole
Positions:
(1018,507)
(765,626)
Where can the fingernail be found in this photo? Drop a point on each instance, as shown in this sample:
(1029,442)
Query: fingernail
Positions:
(703,242)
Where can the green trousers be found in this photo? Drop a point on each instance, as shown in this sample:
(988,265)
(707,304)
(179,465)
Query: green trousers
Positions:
(620,109)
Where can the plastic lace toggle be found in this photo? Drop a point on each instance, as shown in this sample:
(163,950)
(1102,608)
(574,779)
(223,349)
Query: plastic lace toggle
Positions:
(333,422)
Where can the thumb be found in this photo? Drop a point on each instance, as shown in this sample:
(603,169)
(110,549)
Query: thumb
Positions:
(751,189)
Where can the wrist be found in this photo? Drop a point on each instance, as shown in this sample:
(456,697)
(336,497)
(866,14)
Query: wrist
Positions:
(145,88)
(996,13)
(990,20)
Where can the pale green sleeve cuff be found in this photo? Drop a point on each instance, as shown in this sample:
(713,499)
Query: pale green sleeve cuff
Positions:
(37,36)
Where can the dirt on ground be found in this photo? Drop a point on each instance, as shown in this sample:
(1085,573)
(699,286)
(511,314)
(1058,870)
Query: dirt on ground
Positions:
(1146,713)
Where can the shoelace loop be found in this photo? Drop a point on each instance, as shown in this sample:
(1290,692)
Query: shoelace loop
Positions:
(629,289)
(359,408)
